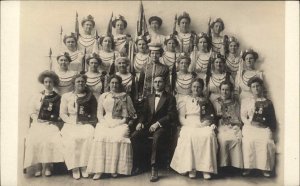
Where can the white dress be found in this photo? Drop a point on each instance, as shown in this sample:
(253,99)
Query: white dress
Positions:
(94,82)
(217,45)
(140,60)
(185,42)
(65,81)
(197,143)
(214,85)
(77,138)
(258,144)
(121,40)
(111,150)
(168,59)
(107,59)
(241,81)
(43,141)
(183,89)
(233,63)
(157,38)
(87,42)
(200,64)
(229,134)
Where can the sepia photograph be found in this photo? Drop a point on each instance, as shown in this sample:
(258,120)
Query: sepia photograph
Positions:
(152,93)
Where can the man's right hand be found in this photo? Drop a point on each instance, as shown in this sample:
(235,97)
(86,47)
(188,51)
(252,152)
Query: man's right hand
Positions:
(139,126)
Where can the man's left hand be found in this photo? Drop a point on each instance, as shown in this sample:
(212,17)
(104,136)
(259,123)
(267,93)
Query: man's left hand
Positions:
(154,126)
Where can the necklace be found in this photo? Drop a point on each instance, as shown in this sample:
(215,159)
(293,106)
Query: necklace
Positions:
(217,81)
(232,63)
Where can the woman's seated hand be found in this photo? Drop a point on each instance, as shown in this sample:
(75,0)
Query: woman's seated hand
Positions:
(139,126)
(205,123)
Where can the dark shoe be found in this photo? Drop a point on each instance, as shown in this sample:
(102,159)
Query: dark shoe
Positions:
(154,175)
(136,171)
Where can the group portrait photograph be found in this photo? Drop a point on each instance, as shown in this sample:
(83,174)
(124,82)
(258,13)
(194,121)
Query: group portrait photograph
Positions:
(151,93)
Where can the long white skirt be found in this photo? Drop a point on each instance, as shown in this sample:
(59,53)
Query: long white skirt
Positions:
(180,100)
(230,146)
(196,149)
(43,144)
(111,150)
(77,141)
(258,148)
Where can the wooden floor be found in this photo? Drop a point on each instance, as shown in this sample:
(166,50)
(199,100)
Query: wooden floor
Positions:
(167,177)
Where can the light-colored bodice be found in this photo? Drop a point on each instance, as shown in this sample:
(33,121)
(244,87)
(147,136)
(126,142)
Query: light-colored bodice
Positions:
(65,81)
(184,83)
(94,83)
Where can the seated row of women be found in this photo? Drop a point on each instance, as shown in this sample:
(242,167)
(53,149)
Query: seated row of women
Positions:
(240,136)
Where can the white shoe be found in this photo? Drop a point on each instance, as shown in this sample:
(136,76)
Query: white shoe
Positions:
(83,172)
(48,172)
(76,173)
(246,172)
(206,176)
(38,173)
(97,176)
(114,175)
(267,174)
(192,174)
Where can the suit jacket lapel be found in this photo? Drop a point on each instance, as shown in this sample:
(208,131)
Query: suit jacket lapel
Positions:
(152,103)
(161,102)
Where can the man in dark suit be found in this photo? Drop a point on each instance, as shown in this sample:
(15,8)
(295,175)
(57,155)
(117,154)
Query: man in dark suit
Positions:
(158,116)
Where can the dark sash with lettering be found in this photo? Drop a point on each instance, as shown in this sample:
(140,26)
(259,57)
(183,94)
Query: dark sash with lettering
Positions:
(49,110)
(264,114)
(206,110)
(87,109)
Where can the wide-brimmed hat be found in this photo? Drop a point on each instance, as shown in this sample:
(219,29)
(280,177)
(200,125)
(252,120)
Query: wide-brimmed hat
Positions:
(155,18)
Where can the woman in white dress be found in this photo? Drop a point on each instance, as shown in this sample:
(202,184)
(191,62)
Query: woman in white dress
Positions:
(111,150)
(201,58)
(43,142)
(197,143)
(155,23)
(185,36)
(76,55)
(78,109)
(121,39)
(107,53)
(87,40)
(183,83)
(65,74)
(245,73)
(229,128)
(170,55)
(233,59)
(142,55)
(96,81)
(258,116)
(216,27)
(127,77)
(216,73)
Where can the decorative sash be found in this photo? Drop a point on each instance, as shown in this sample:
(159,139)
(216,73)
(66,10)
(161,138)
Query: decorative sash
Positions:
(87,109)
(49,110)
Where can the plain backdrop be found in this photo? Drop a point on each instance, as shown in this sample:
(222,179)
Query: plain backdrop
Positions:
(257,25)
(260,25)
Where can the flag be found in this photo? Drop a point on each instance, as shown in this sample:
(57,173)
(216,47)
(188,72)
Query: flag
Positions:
(76,26)
(109,26)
